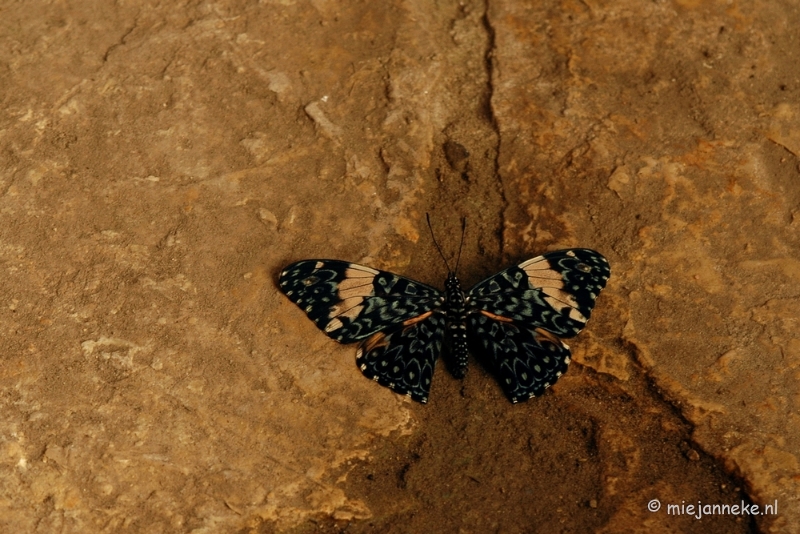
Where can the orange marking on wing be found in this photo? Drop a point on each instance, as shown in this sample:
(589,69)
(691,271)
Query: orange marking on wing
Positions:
(375,341)
(544,334)
(500,318)
(417,319)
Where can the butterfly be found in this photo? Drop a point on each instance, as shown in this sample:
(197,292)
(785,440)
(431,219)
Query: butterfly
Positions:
(513,321)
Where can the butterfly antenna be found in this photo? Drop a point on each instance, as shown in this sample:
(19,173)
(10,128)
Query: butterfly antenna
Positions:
(428,217)
(461,245)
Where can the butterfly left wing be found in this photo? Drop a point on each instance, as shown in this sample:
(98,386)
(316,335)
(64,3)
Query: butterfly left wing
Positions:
(351,302)
(403,358)
(517,316)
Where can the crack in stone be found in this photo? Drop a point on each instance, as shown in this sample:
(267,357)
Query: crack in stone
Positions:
(488,62)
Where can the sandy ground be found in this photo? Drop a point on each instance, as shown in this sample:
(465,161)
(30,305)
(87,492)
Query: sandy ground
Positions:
(160,164)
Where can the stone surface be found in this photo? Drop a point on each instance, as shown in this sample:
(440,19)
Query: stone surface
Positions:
(159,166)
(670,130)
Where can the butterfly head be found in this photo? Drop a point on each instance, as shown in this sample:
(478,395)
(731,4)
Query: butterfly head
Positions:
(452,284)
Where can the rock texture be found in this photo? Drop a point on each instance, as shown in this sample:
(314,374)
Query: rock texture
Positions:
(161,164)
(672,129)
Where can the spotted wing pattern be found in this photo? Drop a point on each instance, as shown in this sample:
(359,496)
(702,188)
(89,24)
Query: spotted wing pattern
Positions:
(351,302)
(525,361)
(556,291)
(403,358)
(517,316)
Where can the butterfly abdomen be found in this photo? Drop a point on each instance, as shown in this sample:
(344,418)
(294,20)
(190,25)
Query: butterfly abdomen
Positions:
(456,325)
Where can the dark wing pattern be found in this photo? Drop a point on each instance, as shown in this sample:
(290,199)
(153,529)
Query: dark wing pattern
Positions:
(518,315)
(403,358)
(350,302)
(525,361)
(555,292)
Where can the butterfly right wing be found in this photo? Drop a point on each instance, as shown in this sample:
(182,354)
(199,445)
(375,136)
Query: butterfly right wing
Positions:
(403,358)
(517,317)
(351,302)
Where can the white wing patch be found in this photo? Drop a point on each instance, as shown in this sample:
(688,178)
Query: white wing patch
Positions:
(542,276)
(351,291)
(359,271)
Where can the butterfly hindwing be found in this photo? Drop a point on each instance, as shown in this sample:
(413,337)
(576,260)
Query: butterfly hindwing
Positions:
(525,361)
(350,302)
(555,292)
(403,358)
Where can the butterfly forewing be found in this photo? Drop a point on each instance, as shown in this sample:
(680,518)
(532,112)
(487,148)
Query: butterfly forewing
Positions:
(351,302)
(403,358)
(555,292)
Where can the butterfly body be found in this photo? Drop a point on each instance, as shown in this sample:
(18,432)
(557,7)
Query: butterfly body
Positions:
(512,321)
(456,314)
